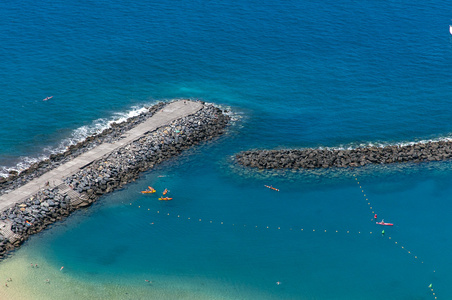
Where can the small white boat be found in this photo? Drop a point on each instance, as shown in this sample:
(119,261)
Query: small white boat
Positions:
(47,98)
(450,29)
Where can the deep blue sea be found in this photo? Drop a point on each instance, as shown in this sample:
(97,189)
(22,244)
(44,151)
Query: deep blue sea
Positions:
(294,74)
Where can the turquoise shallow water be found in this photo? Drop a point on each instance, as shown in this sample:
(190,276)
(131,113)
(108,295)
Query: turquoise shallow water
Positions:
(205,241)
(295,74)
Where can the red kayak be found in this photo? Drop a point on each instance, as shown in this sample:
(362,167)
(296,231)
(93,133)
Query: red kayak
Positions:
(270,187)
(385,224)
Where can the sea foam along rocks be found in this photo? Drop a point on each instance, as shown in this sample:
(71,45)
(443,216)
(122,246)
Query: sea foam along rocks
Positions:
(125,164)
(108,135)
(113,171)
(344,158)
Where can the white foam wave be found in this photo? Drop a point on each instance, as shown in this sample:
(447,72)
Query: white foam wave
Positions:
(380,144)
(24,163)
(76,136)
(235,115)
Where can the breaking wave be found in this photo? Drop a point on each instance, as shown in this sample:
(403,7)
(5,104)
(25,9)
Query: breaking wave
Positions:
(381,144)
(77,135)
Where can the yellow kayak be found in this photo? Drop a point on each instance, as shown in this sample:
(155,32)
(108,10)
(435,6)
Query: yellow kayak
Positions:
(150,190)
(165,198)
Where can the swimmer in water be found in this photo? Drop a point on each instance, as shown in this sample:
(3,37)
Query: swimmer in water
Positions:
(61,268)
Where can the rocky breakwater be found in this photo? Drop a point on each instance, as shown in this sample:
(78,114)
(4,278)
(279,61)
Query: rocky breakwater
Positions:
(126,164)
(345,158)
(109,135)
(32,216)
(107,174)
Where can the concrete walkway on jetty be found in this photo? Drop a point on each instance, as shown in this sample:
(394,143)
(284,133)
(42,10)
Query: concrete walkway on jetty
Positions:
(55,177)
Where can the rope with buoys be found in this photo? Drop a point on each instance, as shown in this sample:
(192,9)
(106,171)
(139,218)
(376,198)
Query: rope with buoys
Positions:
(389,237)
(210,221)
(367,199)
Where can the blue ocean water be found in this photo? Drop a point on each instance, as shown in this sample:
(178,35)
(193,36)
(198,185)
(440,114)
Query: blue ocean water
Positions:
(294,74)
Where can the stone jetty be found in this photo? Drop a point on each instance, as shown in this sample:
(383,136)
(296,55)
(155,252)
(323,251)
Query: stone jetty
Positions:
(345,158)
(51,189)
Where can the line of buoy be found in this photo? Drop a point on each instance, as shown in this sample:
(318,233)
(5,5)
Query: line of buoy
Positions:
(389,237)
(210,221)
(430,286)
(406,250)
(367,199)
